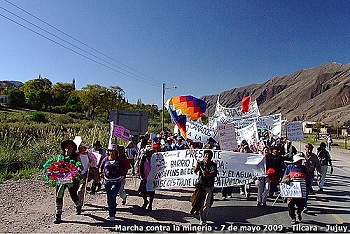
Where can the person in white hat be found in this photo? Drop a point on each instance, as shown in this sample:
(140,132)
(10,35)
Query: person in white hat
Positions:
(113,168)
(297,172)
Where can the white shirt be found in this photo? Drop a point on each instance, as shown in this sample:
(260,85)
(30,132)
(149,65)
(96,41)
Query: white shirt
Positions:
(84,158)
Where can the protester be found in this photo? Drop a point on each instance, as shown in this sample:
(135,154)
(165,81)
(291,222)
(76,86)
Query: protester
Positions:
(207,172)
(131,155)
(312,163)
(245,188)
(296,172)
(263,183)
(113,169)
(147,174)
(179,144)
(97,147)
(278,166)
(168,146)
(123,157)
(87,162)
(325,160)
(156,144)
(329,142)
(211,144)
(289,150)
(69,153)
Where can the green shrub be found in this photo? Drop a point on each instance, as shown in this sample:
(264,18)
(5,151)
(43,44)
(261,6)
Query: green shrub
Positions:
(38,117)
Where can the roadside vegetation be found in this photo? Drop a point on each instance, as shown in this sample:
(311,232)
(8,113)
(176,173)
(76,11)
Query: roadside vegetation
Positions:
(39,115)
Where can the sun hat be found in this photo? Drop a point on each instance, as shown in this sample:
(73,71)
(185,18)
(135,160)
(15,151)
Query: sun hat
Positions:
(68,142)
(298,157)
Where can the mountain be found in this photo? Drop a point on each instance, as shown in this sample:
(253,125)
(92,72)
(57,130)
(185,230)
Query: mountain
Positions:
(10,83)
(320,94)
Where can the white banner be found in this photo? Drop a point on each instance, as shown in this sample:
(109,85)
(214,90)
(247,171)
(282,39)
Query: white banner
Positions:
(273,123)
(227,137)
(248,133)
(175,168)
(236,112)
(197,131)
(295,131)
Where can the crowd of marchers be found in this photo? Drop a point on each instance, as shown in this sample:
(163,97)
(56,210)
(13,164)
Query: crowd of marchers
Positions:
(109,171)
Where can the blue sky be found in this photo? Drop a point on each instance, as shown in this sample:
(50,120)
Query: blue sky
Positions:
(202,47)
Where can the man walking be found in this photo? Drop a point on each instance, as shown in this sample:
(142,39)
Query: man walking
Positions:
(207,172)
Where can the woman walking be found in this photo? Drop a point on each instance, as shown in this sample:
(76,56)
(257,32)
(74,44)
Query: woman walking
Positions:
(113,168)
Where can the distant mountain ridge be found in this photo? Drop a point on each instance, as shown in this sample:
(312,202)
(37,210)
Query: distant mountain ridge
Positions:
(319,94)
(11,83)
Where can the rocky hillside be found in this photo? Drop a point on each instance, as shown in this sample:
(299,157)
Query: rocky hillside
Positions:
(317,94)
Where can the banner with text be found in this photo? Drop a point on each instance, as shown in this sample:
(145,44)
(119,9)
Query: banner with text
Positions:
(199,132)
(236,112)
(175,168)
(248,133)
(273,123)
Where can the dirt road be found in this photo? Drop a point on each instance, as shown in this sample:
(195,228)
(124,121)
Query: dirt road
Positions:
(29,206)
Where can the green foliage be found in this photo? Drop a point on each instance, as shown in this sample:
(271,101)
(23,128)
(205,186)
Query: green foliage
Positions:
(59,109)
(38,117)
(32,144)
(25,173)
(16,98)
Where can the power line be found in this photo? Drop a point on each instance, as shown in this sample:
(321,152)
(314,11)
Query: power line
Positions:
(79,40)
(74,50)
(144,79)
(69,43)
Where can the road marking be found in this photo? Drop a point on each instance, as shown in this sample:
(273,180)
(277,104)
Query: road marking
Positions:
(335,216)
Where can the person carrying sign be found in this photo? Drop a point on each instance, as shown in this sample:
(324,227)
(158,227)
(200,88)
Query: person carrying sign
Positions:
(296,172)
(207,172)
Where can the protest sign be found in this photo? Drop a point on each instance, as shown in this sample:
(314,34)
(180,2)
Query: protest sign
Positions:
(295,131)
(248,133)
(272,123)
(120,131)
(293,189)
(227,137)
(198,132)
(175,168)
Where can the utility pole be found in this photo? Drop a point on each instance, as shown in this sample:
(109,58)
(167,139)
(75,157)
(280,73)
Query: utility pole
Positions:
(163,96)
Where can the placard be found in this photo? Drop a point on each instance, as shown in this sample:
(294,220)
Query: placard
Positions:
(227,137)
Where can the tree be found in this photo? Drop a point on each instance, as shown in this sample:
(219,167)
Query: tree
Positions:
(92,96)
(39,99)
(61,92)
(73,103)
(16,98)
(38,93)
(37,84)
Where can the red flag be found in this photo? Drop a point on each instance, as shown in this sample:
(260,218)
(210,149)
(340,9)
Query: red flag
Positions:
(245,104)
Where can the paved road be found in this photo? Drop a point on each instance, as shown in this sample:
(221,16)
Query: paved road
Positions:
(329,211)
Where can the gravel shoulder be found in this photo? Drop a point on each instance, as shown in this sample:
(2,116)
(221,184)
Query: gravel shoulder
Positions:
(29,206)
